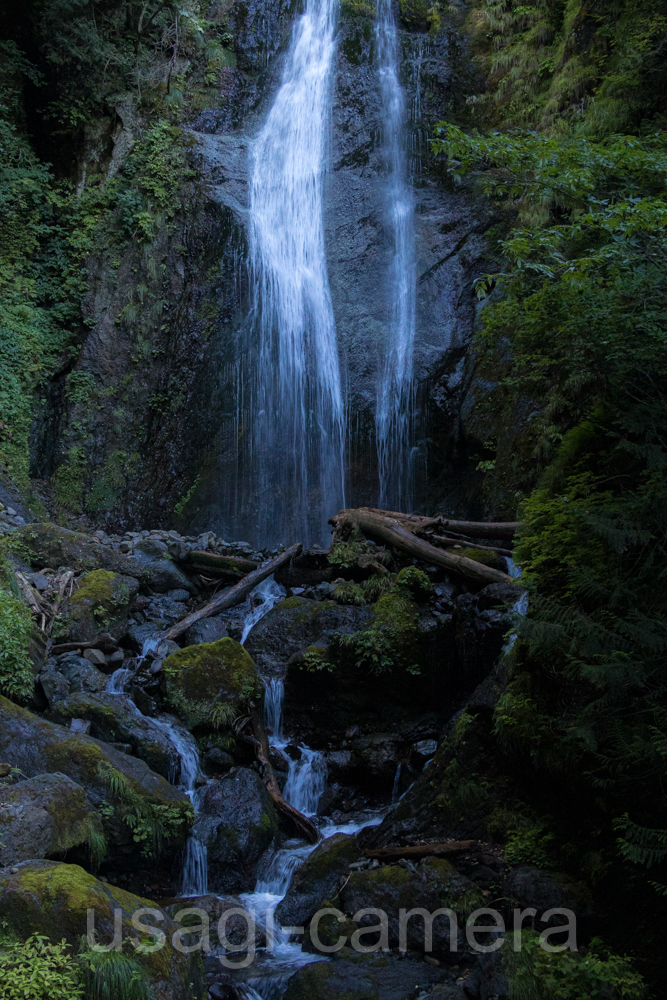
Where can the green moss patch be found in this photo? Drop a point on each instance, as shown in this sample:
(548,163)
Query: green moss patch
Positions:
(207,683)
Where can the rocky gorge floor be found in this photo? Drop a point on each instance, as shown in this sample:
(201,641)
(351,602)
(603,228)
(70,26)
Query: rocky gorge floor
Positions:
(130,773)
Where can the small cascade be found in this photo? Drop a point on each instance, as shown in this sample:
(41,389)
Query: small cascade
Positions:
(195,865)
(274,694)
(118,680)
(306,781)
(396,790)
(261,600)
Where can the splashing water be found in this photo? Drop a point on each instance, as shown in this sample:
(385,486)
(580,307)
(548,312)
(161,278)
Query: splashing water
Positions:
(395,395)
(298,430)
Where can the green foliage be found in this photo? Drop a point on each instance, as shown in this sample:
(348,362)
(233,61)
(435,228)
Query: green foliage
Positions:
(16,672)
(37,970)
(109,975)
(185,499)
(536,974)
(150,822)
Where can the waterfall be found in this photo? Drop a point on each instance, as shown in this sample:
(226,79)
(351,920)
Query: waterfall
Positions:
(306,781)
(274,693)
(297,413)
(395,393)
(260,601)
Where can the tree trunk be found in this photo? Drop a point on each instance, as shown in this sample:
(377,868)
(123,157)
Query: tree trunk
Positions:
(233,595)
(475,529)
(391,531)
(303,825)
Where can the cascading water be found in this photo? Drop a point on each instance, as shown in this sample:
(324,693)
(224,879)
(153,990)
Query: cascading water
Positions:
(261,600)
(394,414)
(195,863)
(297,412)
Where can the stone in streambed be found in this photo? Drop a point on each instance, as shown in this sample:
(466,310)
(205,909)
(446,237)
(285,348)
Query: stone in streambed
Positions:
(51,898)
(198,680)
(63,675)
(45,816)
(207,630)
(237,822)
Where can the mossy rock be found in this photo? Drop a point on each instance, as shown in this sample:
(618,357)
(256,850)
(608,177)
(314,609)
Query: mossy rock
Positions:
(487,557)
(137,803)
(342,980)
(374,976)
(114,720)
(433,884)
(294,624)
(199,678)
(317,879)
(46,816)
(50,898)
(100,604)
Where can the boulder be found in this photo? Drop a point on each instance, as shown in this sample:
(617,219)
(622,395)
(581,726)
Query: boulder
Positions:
(206,630)
(295,624)
(237,822)
(198,679)
(376,976)
(100,603)
(432,884)
(50,898)
(45,816)
(317,879)
(530,886)
(51,545)
(109,777)
(63,675)
(114,719)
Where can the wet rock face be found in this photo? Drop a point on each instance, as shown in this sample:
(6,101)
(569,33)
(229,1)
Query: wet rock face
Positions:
(373,977)
(237,823)
(44,816)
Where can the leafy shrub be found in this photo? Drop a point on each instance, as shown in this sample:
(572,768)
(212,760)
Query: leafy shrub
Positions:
(37,970)
(536,974)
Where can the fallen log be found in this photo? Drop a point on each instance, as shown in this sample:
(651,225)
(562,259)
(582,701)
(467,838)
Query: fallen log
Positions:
(105,642)
(232,595)
(448,543)
(232,567)
(421,850)
(389,529)
(302,824)
(475,529)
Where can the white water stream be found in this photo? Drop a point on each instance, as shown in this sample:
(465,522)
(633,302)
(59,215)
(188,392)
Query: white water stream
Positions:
(298,431)
(395,395)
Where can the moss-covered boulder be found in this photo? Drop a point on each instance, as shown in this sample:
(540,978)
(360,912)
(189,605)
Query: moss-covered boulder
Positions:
(295,624)
(99,604)
(46,816)
(114,719)
(317,879)
(50,898)
(138,806)
(201,682)
(237,822)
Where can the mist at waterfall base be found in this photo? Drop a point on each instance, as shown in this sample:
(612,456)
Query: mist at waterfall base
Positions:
(297,426)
